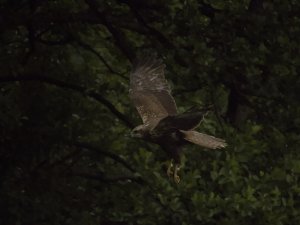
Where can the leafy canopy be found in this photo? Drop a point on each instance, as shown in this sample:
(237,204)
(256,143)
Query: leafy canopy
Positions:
(65,116)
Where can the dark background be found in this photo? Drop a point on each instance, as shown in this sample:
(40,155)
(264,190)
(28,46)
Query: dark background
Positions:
(65,116)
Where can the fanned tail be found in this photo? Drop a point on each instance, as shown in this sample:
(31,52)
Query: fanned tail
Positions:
(204,140)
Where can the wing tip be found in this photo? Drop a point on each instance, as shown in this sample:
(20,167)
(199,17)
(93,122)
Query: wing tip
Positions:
(204,140)
(221,145)
(147,60)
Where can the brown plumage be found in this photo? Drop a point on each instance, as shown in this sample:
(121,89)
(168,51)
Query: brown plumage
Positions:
(152,97)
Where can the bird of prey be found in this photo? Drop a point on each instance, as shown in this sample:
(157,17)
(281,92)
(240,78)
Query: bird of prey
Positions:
(151,95)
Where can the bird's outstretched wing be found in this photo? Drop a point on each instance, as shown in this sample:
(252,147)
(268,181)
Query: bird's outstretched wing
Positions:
(150,91)
(204,140)
(183,121)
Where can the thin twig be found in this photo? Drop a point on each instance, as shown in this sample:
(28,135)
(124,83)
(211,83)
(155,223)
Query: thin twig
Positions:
(106,153)
(77,88)
(89,48)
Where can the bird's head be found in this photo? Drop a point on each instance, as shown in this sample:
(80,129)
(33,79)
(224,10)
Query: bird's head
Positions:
(139,132)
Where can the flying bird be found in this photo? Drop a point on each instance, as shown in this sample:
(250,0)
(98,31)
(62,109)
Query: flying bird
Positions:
(151,95)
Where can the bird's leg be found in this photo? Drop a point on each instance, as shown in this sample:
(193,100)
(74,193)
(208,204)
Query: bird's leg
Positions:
(175,175)
(169,170)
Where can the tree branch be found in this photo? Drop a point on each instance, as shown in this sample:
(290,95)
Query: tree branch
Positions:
(138,180)
(119,37)
(90,49)
(100,177)
(208,10)
(151,30)
(255,5)
(96,149)
(77,88)
(11,20)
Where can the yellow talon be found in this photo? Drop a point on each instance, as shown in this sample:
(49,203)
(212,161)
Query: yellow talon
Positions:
(176,177)
(172,171)
(169,170)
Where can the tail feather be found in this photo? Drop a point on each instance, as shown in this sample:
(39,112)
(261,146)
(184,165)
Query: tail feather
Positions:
(204,140)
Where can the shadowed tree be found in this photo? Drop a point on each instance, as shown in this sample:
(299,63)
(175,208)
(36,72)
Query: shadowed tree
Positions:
(65,157)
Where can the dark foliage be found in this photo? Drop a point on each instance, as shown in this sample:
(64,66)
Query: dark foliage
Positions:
(65,114)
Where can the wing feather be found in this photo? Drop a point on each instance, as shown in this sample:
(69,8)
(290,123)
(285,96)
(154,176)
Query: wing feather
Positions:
(150,91)
(204,140)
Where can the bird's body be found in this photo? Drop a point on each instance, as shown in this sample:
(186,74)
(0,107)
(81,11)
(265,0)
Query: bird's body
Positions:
(162,124)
